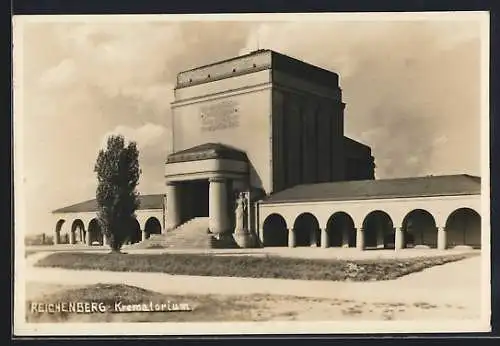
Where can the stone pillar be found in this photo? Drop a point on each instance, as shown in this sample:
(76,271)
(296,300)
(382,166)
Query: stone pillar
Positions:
(105,240)
(87,239)
(360,239)
(144,235)
(441,235)
(345,237)
(57,237)
(173,217)
(291,237)
(218,209)
(313,238)
(324,238)
(72,239)
(399,238)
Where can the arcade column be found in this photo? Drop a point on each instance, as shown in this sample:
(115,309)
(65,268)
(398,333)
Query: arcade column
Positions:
(72,239)
(313,238)
(88,238)
(57,237)
(173,217)
(345,237)
(218,208)
(324,238)
(360,239)
(441,241)
(380,238)
(291,237)
(398,239)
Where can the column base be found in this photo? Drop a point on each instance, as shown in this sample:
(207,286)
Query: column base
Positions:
(223,241)
(421,247)
(462,247)
(245,239)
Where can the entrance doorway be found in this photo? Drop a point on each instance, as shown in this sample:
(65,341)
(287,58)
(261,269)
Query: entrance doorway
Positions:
(193,199)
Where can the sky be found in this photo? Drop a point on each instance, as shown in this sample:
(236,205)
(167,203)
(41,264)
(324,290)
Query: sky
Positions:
(412,89)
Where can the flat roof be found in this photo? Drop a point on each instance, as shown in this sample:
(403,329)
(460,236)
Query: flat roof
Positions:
(146,202)
(208,151)
(256,61)
(444,185)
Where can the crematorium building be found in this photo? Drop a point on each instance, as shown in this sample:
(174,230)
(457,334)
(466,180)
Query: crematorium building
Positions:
(259,158)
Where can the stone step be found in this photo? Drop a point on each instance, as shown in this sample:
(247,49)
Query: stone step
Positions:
(191,234)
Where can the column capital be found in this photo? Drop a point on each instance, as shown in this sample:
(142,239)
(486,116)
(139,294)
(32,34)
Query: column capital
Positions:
(217,179)
(441,228)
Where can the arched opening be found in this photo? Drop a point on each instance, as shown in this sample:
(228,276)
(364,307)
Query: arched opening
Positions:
(135,235)
(341,232)
(307,231)
(419,228)
(152,226)
(275,232)
(78,231)
(463,227)
(95,233)
(57,234)
(378,230)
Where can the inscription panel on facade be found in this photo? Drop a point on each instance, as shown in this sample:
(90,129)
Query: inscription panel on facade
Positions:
(219,116)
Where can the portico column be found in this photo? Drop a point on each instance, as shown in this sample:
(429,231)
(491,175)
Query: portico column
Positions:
(143,234)
(87,239)
(324,238)
(218,209)
(173,218)
(105,240)
(398,239)
(345,238)
(360,239)
(291,237)
(441,238)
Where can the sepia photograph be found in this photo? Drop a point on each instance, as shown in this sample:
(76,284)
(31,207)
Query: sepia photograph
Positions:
(245,174)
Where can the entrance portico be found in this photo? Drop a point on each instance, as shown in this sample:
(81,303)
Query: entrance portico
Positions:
(224,169)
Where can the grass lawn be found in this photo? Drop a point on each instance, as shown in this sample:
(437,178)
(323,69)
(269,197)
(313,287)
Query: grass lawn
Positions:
(212,308)
(248,266)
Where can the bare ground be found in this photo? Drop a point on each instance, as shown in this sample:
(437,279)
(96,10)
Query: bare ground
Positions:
(449,291)
(259,307)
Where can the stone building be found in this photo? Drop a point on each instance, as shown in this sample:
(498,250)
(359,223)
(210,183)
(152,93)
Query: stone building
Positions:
(266,131)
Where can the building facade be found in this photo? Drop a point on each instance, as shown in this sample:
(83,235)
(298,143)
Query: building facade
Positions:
(248,132)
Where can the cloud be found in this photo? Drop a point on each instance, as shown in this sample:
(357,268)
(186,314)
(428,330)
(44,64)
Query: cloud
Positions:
(148,135)
(401,82)
(59,76)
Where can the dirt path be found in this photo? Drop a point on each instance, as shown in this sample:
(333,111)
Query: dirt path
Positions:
(456,284)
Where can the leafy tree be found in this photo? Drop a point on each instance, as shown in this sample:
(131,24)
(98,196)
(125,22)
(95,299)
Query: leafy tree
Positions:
(118,172)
